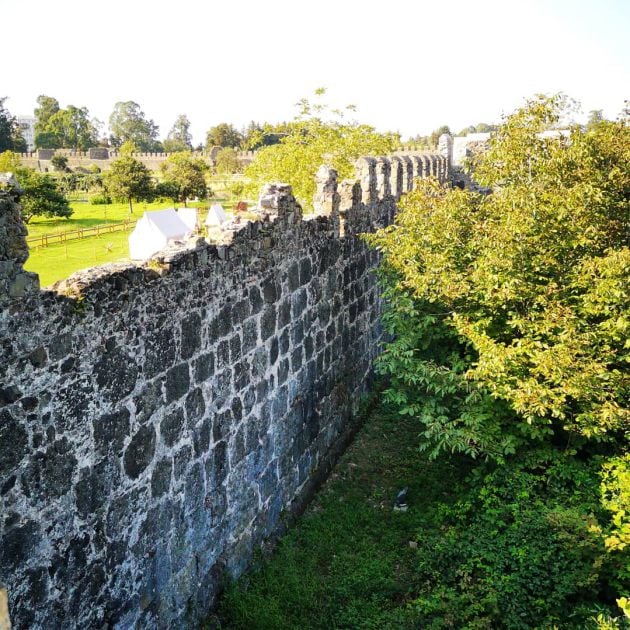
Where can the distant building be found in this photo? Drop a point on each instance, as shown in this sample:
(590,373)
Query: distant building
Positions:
(27,127)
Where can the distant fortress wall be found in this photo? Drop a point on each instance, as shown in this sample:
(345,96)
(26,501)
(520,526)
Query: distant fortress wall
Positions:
(40,160)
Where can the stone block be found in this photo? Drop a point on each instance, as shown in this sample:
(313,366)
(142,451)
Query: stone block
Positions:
(140,451)
(177,382)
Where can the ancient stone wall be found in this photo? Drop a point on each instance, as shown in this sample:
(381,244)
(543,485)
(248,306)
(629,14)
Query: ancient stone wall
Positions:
(157,420)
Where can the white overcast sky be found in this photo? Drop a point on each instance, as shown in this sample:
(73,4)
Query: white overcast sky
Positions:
(408,65)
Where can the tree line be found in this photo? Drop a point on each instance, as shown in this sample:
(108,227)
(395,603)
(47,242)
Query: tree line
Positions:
(74,128)
(182,176)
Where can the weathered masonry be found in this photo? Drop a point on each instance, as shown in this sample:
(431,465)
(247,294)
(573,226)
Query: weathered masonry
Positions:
(156,420)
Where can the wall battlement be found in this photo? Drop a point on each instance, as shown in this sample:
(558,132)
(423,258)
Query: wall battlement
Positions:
(103,158)
(156,420)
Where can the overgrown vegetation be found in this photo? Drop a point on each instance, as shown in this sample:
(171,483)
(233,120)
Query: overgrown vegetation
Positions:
(510,310)
(480,546)
(318,135)
(508,369)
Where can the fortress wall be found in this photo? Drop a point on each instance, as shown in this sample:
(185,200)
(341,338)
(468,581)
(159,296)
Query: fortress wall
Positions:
(157,420)
(41,160)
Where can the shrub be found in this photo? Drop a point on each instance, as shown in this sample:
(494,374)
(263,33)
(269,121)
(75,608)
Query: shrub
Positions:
(100,199)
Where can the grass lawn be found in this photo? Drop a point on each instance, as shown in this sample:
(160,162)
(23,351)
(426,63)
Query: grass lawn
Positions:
(479,546)
(58,261)
(87,215)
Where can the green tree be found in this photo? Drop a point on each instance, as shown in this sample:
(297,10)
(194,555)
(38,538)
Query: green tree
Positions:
(223,135)
(47,107)
(128,148)
(435,135)
(129,179)
(256,135)
(41,196)
(226,162)
(510,310)
(70,128)
(179,137)
(319,135)
(128,122)
(10,136)
(595,116)
(478,128)
(185,174)
(9,162)
(59,162)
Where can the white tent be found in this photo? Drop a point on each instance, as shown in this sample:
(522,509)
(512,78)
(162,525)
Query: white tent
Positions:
(216,215)
(154,232)
(189,217)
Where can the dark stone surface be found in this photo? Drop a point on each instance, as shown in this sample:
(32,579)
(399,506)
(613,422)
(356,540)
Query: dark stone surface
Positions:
(13,443)
(110,431)
(16,544)
(270,290)
(268,323)
(171,426)
(191,335)
(161,477)
(60,347)
(293,275)
(116,374)
(49,473)
(195,406)
(160,351)
(250,335)
(204,367)
(9,394)
(177,382)
(255,300)
(140,451)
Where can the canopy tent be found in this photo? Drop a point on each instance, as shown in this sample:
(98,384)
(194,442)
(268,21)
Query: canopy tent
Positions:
(216,215)
(154,231)
(190,217)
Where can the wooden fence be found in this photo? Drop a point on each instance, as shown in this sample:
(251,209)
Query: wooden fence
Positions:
(52,238)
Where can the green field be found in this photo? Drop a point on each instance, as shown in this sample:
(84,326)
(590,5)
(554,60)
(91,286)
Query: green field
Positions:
(59,260)
(86,215)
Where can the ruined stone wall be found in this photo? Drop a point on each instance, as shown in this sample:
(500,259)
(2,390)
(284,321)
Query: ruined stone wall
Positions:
(156,420)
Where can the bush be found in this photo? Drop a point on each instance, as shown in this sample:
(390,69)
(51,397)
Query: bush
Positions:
(60,163)
(528,282)
(100,200)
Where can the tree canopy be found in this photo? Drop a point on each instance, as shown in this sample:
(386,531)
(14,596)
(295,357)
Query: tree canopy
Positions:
(179,137)
(223,135)
(70,128)
(10,136)
(524,291)
(128,122)
(226,162)
(478,128)
(184,176)
(41,196)
(129,179)
(256,135)
(319,135)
